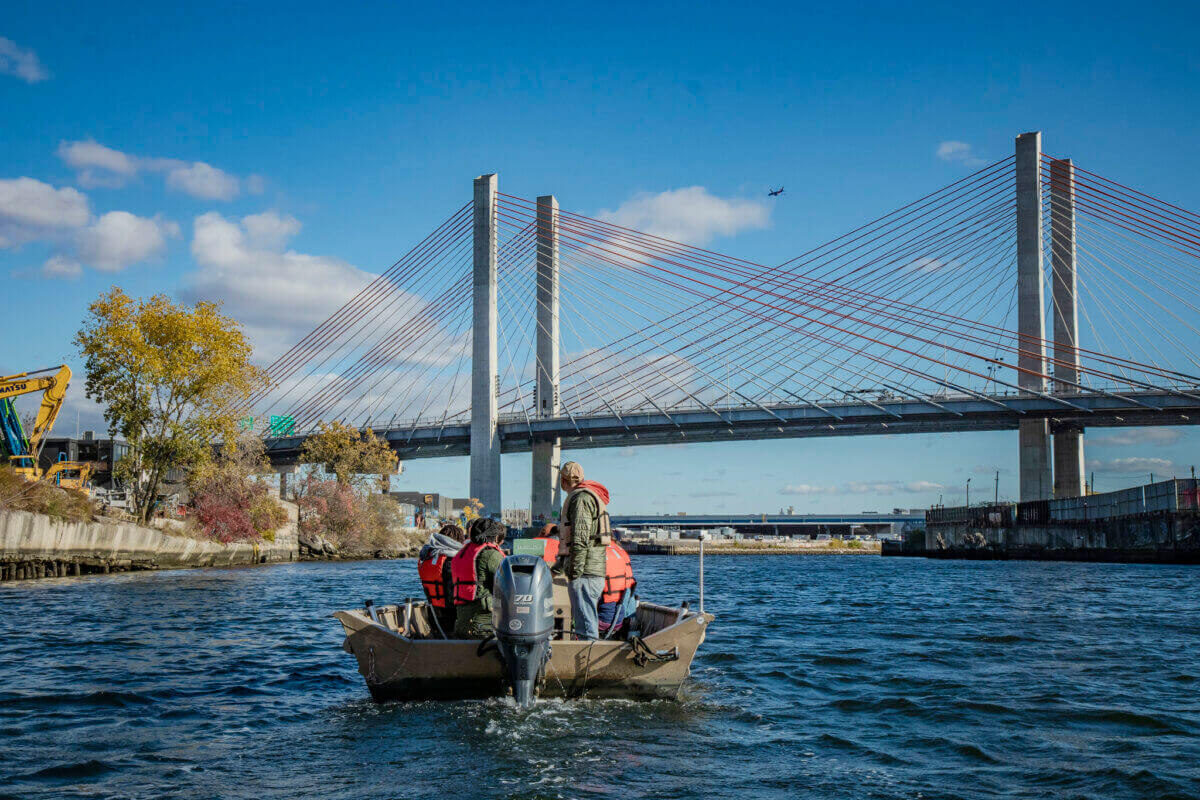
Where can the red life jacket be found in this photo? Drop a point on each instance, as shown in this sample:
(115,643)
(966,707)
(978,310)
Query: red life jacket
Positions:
(550,549)
(430,571)
(618,573)
(464,574)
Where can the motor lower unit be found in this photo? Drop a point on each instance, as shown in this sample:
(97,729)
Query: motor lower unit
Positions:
(523,616)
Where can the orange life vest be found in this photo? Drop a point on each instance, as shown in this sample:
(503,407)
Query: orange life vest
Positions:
(550,549)
(430,571)
(464,574)
(618,573)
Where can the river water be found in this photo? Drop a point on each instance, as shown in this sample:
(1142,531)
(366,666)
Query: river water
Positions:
(822,677)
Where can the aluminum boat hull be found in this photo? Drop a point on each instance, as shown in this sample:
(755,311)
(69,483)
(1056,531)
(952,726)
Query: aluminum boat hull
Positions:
(402,659)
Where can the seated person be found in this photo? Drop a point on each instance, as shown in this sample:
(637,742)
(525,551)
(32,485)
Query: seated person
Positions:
(433,567)
(548,536)
(472,571)
(617,603)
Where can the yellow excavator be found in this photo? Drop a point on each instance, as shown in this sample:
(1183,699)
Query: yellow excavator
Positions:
(23,450)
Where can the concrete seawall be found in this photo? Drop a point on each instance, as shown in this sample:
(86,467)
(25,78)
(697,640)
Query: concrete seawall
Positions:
(36,546)
(1161,537)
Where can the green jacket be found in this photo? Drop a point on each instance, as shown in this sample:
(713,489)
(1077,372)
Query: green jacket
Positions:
(586,557)
(474,620)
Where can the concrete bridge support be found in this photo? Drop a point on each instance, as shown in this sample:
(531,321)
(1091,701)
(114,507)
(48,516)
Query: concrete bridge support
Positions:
(485,435)
(1034,434)
(547,453)
(1068,444)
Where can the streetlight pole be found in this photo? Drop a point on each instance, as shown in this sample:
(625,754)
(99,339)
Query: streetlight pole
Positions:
(968,492)
(997,487)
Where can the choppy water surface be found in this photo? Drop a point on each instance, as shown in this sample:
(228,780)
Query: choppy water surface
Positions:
(829,677)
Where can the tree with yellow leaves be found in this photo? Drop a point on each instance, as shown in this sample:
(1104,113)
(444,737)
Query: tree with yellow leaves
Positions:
(346,452)
(171,378)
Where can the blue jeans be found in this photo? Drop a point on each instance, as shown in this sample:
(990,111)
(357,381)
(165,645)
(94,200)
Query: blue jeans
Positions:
(585,600)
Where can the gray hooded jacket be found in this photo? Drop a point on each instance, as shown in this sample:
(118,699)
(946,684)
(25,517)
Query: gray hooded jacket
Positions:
(439,545)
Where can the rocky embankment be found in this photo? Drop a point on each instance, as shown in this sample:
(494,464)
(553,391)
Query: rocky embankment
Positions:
(405,544)
(38,546)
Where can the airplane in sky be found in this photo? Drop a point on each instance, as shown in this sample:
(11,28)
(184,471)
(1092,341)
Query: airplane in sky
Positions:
(776,192)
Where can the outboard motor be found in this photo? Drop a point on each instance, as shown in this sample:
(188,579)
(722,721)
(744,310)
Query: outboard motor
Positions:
(523,616)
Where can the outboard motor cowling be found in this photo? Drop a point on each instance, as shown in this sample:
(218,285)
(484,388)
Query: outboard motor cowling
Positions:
(523,616)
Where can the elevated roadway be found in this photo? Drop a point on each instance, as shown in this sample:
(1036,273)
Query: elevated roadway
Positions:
(861,418)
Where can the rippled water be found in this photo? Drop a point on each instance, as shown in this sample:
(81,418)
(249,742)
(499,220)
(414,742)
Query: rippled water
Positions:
(839,677)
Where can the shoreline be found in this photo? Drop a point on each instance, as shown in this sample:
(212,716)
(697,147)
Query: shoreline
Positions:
(674,548)
(35,546)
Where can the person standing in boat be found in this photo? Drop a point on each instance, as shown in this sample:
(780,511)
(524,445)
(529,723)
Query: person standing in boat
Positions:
(433,567)
(585,533)
(616,603)
(472,571)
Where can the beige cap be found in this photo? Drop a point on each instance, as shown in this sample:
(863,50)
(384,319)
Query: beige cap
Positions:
(571,471)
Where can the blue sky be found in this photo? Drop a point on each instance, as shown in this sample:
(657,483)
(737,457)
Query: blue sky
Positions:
(346,137)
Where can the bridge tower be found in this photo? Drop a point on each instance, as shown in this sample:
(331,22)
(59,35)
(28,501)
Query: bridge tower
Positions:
(1034,434)
(485,379)
(1068,442)
(547,453)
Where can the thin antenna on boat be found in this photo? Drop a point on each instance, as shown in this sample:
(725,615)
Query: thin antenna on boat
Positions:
(701,573)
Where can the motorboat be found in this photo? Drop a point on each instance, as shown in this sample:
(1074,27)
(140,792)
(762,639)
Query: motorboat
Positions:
(404,654)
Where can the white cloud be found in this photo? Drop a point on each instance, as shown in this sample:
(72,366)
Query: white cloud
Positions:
(690,215)
(269,230)
(61,267)
(924,486)
(98,165)
(241,262)
(31,209)
(119,239)
(1142,436)
(958,152)
(1134,465)
(27,201)
(862,487)
(202,180)
(21,62)
(807,488)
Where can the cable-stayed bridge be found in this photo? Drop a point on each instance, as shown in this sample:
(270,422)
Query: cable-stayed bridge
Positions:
(1031,295)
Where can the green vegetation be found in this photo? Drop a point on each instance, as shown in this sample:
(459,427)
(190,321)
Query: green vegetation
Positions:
(230,500)
(171,378)
(347,453)
(354,520)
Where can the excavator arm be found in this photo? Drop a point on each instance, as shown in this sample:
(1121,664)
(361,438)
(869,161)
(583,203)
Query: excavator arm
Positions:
(53,389)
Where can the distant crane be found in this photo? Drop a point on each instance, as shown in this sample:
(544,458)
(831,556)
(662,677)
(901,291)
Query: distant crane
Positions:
(775,192)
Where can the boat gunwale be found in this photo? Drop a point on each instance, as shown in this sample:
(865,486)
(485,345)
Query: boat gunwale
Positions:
(685,615)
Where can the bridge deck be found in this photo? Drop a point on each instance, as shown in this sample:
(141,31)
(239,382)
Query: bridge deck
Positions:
(938,415)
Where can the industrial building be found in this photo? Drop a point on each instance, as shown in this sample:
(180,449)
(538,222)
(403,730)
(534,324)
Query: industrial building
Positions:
(102,454)
(1157,522)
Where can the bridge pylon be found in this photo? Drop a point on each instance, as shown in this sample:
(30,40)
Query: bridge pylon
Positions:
(547,453)
(1036,482)
(1068,441)
(485,378)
